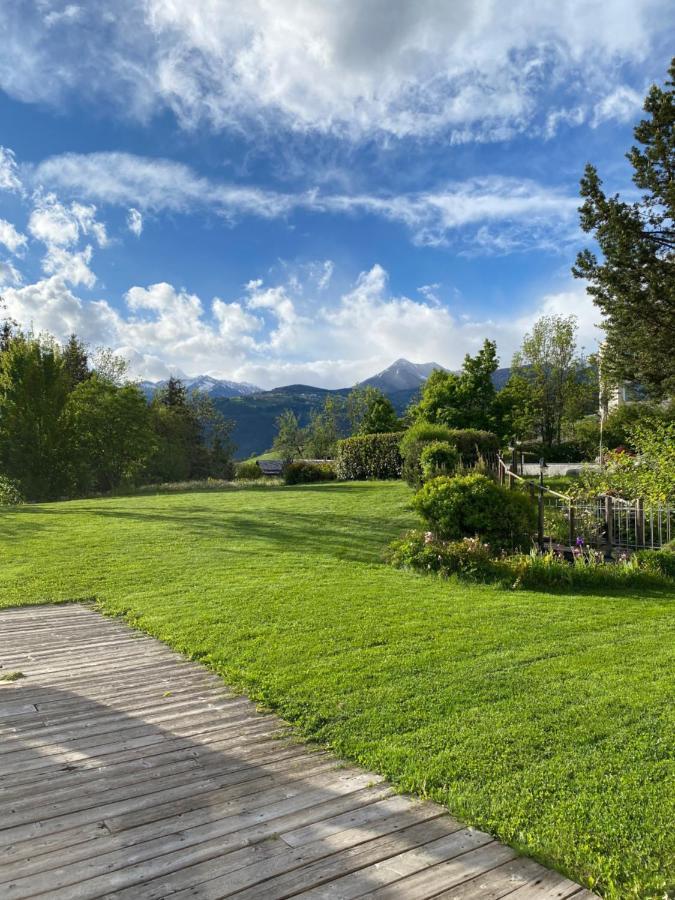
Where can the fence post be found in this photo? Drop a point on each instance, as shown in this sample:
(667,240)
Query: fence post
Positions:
(500,467)
(609,521)
(540,507)
(572,525)
(514,464)
(640,523)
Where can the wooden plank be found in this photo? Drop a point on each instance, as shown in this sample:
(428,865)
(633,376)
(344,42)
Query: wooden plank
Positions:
(230,834)
(133,774)
(385,883)
(402,847)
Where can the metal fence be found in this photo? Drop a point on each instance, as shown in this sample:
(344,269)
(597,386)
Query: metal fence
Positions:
(603,521)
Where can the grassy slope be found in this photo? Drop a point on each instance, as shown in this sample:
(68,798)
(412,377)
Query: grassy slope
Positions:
(541,718)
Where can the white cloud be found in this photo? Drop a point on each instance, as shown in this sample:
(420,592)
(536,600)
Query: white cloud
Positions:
(135,222)
(72,267)
(57,225)
(621,105)
(431,216)
(9,274)
(9,171)
(272,335)
(10,237)
(477,68)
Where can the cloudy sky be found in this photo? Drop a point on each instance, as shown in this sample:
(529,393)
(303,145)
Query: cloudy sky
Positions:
(304,191)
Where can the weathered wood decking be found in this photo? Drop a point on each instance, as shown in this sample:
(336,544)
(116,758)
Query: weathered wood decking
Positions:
(128,772)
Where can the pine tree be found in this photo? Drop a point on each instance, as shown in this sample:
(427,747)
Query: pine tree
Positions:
(76,361)
(634,284)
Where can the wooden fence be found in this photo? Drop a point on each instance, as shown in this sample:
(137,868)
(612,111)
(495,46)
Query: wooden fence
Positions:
(604,521)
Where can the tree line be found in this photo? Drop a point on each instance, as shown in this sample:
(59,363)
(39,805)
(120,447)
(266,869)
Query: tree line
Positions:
(72,425)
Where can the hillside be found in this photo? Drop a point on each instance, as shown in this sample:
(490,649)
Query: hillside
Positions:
(255,411)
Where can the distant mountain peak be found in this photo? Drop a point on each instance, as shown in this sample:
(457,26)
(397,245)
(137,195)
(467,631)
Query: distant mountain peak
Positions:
(401,375)
(216,388)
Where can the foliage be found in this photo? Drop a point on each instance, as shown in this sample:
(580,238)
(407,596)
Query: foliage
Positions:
(660,562)
(10,492)
(34,387)
(438,458)
(634,283)
(290,438)
(461,401)
(413,442)
(565,451)
(192,437)
(379,416)
(369,456)
(474,505)
(110,435)
(541,719)
(76,361)
(248,471)
(473,560)
(647,474)
(326,426)
(421,552)
(308,473)
(471,443)
(618,425)
(550,374)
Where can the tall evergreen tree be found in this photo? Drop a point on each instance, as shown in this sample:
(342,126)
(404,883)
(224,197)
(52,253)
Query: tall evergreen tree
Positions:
(76,361)
(634,283)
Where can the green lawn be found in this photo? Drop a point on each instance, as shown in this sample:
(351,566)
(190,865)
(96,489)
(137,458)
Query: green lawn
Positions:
(545,719)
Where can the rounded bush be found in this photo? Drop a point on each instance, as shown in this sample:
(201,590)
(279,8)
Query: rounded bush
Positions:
(308,473)
(438,458)
(10,493)
(248,471)
(369,456)
(474,505)
(414,441)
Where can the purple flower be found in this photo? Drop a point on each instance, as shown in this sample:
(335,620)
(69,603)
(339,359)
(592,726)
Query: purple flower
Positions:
(580,541)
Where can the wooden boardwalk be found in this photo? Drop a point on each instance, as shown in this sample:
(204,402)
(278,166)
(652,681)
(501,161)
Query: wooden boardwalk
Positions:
(129,772)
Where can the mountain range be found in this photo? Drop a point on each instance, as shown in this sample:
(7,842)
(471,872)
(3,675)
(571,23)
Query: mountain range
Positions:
(255,411)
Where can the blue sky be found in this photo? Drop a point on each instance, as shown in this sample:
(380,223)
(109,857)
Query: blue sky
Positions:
(306,191)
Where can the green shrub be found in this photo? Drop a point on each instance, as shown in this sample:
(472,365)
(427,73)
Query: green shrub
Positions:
(418,551)
(248,471)
(10,493)
(308,473)
(414,441)
(369,456)
(564,452)
(661,562)
(438,458)
(472,560)
(471,443)
(474,505)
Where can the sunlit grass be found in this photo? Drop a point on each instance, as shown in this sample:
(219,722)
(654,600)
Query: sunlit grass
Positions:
(544,718)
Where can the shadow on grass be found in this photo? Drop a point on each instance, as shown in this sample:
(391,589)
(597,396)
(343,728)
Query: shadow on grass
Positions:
(321,533)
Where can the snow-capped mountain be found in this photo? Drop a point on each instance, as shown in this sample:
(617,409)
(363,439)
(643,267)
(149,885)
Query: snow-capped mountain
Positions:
(214,387)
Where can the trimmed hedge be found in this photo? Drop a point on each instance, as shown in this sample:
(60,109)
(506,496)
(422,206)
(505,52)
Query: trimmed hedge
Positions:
(308,473)
(438,458)
(565,452)
(369,456)
(470,443)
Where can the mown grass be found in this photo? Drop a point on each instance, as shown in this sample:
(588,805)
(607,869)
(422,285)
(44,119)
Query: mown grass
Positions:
(544,718)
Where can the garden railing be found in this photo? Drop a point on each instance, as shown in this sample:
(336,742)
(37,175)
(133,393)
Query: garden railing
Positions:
(603,521)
